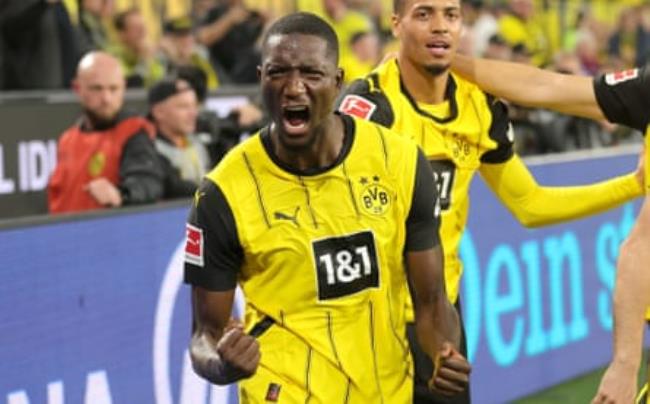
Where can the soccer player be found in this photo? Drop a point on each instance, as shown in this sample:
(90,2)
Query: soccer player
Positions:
(321,219)
(461,130)
(621,97)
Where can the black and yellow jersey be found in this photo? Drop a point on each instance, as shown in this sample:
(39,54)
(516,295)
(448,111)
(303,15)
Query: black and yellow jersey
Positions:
(470,132)
(319,256)
(624,98)
(467,131)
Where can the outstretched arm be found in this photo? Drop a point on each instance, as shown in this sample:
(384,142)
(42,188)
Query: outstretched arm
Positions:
(531,86)
(631,300)
(534,205)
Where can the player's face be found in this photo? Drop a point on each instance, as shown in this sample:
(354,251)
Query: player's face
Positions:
(429,31)
(300,82)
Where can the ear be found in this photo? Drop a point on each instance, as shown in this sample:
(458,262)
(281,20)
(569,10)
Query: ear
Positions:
(75,85)
(340,75)
(259,72)
(395,25)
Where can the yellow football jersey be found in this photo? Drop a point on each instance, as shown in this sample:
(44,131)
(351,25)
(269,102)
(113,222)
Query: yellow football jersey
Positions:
(472,129)
(321,265)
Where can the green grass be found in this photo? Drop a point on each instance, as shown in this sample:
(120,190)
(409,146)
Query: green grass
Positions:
(575,391)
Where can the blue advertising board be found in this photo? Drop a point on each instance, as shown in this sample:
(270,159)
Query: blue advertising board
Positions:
(94,311)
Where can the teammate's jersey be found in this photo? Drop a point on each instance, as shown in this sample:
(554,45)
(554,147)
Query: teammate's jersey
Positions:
(624,98)
(472,129)
(320,259)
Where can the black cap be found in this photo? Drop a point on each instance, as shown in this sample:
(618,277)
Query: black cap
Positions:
(166,88)
(178,26)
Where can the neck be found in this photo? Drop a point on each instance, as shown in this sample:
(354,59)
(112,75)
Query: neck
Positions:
(177,139)
(421,84)
(323,152)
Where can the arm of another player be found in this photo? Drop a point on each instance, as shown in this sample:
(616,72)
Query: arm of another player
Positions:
(631,300)
(531,86)
(221,352)
(534,205)
(437,323)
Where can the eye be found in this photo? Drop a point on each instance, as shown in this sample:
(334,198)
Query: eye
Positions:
(421,14)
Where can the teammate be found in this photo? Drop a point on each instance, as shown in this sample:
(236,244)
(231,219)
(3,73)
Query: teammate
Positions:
(461,130)
(317,218)
(621,97)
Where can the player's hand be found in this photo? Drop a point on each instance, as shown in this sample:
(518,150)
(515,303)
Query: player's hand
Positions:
(104,192)
(640,168)
(239,353)
(451,373)
(618,386)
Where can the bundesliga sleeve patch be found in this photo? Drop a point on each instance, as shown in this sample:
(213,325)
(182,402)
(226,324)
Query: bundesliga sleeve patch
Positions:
(194,245)
(357,106)
(619,77)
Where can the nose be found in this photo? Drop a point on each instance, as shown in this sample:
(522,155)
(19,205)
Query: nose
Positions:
(438,23)
(295,85)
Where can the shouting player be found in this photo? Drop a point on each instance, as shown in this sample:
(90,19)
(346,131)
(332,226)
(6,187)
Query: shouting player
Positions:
(321,219)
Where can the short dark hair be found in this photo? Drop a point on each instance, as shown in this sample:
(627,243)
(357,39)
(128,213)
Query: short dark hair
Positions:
(306,24)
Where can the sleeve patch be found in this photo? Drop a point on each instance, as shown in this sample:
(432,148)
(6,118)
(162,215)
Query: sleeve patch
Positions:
(621,76)
(357,106)
(194,250)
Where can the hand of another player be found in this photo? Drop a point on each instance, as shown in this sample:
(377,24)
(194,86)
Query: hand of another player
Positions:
(618,386)
(451,373)
(239,353)
(104,192)
(640,168)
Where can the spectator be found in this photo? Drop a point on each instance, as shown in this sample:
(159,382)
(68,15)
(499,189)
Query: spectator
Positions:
(364,56)
(630,42)
(520,25)
(92,35)
(40,47)
(180,49)
(107,159)
(497,48)
(220,134)
(173,108)
(134,51)
(231,31)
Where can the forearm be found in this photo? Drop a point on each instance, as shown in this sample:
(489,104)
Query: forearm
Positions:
(534,205)
(632,294)
(531,86)
(206,361)
(214,32)
(436,322)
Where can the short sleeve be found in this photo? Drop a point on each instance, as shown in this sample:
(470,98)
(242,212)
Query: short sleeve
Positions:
(500,131)
(423,222)
(213,254)
(367,102)
(624,97)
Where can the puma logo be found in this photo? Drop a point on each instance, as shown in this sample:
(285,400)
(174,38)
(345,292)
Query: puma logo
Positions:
(284,216)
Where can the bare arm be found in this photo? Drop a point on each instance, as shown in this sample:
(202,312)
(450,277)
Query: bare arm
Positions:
(631,300)
(531,86)
(221,353)
(215,31)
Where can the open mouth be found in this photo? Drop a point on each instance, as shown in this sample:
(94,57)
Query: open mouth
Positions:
(296,118)
(438,46)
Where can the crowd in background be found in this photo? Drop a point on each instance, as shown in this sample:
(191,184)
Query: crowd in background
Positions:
(211,43)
